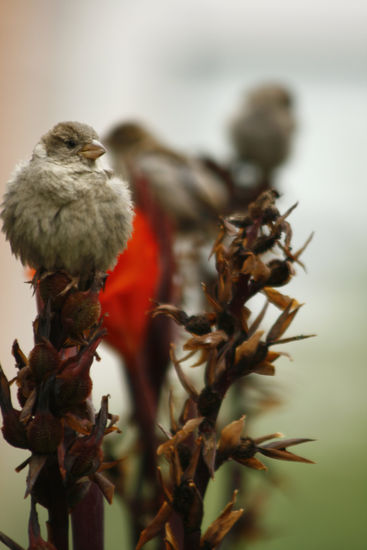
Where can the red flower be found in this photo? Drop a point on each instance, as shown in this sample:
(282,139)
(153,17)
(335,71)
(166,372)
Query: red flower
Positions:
(129,289)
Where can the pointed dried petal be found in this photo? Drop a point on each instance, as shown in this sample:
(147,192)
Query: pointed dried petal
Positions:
(105,485)
(36,464)
(285,442)
(217,307)
(27,410)
(230,435)
(248,347)
(282,323)
(293,339)
(252,462)
(209,451)
(220,527)
(259,440)
(283,455)
(256,323)
(187,385)
(297,254)
(155,526)
(265,368)
(181,435)
(278,299)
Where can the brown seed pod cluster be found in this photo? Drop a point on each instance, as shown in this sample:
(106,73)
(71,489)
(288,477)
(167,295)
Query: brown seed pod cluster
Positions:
(56,422)
(253,254)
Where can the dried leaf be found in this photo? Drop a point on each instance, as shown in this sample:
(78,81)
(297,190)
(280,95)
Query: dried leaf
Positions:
(166,447)
(230,435)
(155,526)
(248,347)
(280,300)
(220,527)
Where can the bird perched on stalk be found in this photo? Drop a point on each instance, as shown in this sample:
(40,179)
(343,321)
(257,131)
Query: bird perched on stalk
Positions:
(261,132)
(62,211)
(185,189)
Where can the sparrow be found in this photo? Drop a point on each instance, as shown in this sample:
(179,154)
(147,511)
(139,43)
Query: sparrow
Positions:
(62,210)
(261,132)
(184,188)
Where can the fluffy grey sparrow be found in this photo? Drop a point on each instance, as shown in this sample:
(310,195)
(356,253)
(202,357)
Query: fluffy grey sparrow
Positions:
(62,211)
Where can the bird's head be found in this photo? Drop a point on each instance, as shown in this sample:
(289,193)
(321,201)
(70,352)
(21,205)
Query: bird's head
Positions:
(70,142)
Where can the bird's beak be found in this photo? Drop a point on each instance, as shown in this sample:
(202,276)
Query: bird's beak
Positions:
(93,150)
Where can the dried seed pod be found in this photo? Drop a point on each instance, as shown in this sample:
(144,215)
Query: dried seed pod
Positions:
(188,502)
(44,432)
(52,288)
(198,324)
(80,311)
(43,360)
(26,384)
(281,272)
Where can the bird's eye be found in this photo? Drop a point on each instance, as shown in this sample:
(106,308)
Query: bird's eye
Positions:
(70,143)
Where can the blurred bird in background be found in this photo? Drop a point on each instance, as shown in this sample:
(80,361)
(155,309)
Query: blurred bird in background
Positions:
(261,134)
(190,194)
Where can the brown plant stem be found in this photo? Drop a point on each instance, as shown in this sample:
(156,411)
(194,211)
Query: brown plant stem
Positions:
(58,523)
(87,521)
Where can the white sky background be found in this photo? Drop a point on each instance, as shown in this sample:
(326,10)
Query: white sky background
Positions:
(182,66)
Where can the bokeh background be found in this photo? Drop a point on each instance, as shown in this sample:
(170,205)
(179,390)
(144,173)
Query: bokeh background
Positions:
(183,67)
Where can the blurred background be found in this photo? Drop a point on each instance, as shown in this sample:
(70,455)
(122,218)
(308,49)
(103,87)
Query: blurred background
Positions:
(183,68)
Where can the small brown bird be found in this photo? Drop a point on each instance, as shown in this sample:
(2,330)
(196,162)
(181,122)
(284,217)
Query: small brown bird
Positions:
(62,211)
(184,188)
(263,128)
